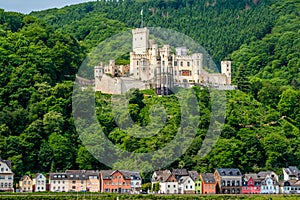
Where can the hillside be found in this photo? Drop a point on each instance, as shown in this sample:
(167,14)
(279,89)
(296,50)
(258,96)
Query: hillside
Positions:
(40,56)
(219,26)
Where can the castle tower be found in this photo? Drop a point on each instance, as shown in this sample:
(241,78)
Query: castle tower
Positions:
(140,40)
(98,74)
(197,67)
(226,69)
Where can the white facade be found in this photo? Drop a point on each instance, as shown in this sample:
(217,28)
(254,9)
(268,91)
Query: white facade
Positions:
(6,176)
(168,188)
(58,182)
(186,185)
(269,186)
(39,182)
(291,173)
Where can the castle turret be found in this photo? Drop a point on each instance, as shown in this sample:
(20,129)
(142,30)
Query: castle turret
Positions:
(226,69)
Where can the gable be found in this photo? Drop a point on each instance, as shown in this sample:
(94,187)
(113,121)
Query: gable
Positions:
(4,168)
(171,178)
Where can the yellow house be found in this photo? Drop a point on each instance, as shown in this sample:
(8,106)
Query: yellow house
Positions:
(25,184)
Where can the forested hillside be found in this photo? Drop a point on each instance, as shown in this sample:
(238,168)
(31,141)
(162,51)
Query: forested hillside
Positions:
(40,56)
(221,26)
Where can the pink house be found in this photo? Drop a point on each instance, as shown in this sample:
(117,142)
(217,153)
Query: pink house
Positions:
(251,184)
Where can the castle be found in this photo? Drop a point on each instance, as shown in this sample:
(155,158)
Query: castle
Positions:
(158,68)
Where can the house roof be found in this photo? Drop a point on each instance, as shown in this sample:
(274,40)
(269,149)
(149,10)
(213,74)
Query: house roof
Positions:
(133,174)
(292,171)
(161,176)
(180,172)
(58,176)
(229,172)
(76,174)
(37,174)
(24,177)
(194,175)
(92,173)
(7,162)
(208,178)
(184,179)
(106,174)
(248,176)
(262,175)
(290,183)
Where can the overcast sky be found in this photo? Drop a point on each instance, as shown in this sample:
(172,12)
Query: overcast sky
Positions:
(26,6)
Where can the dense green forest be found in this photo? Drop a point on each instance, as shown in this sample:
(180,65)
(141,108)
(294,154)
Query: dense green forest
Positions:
(41,53)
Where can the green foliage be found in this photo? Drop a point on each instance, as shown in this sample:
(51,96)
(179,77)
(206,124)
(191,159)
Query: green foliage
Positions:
(39,63)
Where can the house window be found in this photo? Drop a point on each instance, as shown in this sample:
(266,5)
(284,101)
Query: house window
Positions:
(188,64)
(228,183)
(181,63)
(232,183)
(223,183)
(168,186)
(175,63)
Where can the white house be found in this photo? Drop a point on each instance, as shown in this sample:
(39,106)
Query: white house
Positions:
(290,187)
(167,181)
(136,182)
(6,176)
(186,185)
(291,173)
(39,183)
(58,182)
(269,186)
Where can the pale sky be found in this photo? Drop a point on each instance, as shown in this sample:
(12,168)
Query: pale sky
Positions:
(26,6)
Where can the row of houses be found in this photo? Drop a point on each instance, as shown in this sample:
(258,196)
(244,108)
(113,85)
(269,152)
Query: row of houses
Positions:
(226,181)
(175,181)
(116,181)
